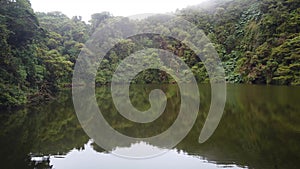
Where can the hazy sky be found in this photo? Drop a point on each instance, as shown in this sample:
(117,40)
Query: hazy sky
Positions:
(85,8)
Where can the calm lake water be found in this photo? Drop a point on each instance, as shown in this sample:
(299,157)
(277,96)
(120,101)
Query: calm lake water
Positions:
(260,129)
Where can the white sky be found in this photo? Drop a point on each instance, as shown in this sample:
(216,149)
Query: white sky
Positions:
(85,8)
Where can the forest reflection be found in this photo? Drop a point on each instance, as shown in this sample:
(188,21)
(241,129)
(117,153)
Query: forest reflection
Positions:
(260,128)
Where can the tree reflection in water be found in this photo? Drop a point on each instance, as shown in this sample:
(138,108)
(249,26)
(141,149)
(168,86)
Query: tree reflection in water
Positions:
(259,129)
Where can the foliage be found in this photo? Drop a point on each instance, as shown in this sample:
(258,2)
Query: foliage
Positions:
(257,41)
(19,31)
(37,51)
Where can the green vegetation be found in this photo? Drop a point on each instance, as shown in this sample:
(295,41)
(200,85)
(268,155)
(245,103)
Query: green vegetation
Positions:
(37,52)
(257,40)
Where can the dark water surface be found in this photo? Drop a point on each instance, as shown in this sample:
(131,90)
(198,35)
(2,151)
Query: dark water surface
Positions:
(260,129)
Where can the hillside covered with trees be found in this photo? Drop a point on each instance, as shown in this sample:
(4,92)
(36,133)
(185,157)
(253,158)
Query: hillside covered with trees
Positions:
(258,42)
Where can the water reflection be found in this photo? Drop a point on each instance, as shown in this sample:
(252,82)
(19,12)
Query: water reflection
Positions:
(88,158)
(259,129)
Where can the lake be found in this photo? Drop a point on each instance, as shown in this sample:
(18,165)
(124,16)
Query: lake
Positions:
(260,129)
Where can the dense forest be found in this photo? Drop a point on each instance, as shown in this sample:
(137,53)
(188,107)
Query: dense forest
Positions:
(258,42)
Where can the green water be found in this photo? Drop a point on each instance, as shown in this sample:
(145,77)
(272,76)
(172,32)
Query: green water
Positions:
(260,129)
